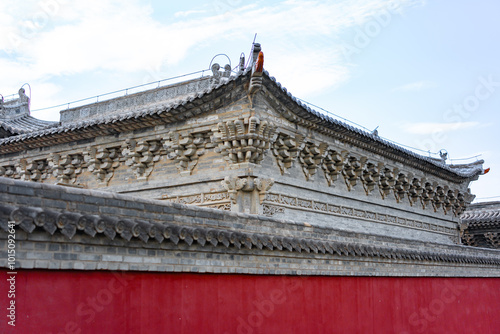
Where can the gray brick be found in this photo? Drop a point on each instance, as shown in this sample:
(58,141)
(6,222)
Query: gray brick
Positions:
(78,265)
(65,256)
(21,190)
(42,264)
(54,265)
(109,210)
(94,200)
(87,208)
(28,200)
(134,205)
(72,197)
(55,204)
(89,257)
(26,264)
(49,193)
(112,258)
(135,259)
(39,256)
(123,266)
(90,265)
(152,260)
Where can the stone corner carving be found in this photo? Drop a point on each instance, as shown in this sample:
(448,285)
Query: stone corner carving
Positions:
(245,140)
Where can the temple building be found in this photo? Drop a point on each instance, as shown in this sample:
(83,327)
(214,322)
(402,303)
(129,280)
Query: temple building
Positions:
(228,205)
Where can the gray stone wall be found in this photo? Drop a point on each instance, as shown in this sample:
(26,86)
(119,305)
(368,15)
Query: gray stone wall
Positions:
(86,233)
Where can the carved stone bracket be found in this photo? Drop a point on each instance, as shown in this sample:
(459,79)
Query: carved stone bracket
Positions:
(493,238)
(415,192)
(370,176)
(9,171)
(332,165)
(244,140)
(102,162)
(263,186)
(352,171)
(66,167)
(141,156)
(311,157)
(185,150)
(233,185)
(286,149)
(401,187)
(35,170)
(387,182)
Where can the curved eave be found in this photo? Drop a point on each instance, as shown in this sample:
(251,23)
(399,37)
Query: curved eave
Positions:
(179,110)
(363,139)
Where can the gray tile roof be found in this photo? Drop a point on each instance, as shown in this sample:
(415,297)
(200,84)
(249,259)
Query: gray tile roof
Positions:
(482,213)
(178,108)
(25,124)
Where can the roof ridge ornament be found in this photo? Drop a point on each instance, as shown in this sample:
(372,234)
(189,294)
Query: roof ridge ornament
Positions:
(257,69)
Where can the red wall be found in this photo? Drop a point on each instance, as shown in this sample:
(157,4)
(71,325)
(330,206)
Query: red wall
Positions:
(131,302)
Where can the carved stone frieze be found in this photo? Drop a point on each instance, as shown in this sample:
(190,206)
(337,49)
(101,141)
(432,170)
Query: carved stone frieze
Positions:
(352,171)
(370,176)
(244,140)
(286,149)
(493,238)
(311,157)
(233,185)
(102,162)
(263,185)
(401,187)
(415,192)
(34,170)
(66,167)
(298,203)
(387,181)
(141,156)
(332,165)
(271,210)
(9,171)
(185,150)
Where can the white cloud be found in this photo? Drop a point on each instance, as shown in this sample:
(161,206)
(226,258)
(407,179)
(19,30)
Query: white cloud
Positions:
(188,13)
(431,128)
(84,36)
(415,86)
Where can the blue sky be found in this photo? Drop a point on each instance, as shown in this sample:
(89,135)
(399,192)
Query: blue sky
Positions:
(425,72)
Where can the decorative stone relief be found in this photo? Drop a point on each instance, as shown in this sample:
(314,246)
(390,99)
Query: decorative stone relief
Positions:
(141,156)
(185,150)
(35,170)
(232,185)
(9,171)
(450,201)
(66,167)
(370,176)
(102,162)
(401,187)
(311,157)
(352,171)
(286,149)
(244,140)
(438,198)
(304,204)
(332,165)
(493,238)
(271,210)
(387,181)
(263,186)
(428,195)
(468,239)
(415,192)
